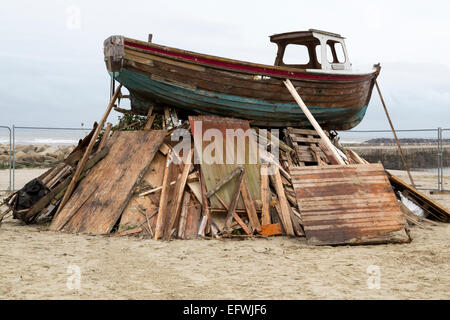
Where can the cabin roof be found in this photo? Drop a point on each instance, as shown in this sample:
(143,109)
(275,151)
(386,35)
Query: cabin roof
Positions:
(303,36)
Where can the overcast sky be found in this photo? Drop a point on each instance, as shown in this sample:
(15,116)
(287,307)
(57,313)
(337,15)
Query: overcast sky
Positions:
(53,74)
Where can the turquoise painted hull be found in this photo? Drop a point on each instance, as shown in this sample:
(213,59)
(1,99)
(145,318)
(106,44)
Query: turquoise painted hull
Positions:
(145,90)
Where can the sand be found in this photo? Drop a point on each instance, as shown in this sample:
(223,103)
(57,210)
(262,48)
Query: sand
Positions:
(39,264)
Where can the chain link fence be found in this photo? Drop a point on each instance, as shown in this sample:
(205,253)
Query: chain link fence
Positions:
(33,147)
(426,150)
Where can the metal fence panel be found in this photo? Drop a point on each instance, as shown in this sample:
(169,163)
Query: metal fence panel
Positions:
(8,139)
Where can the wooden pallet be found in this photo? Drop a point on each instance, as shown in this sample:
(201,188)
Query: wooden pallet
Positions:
(309,150)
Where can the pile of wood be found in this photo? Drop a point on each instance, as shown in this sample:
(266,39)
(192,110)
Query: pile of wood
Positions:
(131,184)
(135,181)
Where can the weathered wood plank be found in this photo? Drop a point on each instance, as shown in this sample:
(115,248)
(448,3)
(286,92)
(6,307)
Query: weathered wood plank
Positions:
(101,197)
(285,214)
(265,194)
(350,204)
(163,203)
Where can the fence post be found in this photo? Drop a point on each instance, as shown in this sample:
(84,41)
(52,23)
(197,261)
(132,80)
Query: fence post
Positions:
(14,158)
(440,160)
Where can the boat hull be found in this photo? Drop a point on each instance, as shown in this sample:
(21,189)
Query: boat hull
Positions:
(202,86)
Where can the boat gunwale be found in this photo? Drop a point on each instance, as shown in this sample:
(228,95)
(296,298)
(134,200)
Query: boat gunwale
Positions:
(269,70)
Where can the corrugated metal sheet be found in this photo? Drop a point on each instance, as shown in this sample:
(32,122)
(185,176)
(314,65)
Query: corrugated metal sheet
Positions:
(215,172)
(352,204)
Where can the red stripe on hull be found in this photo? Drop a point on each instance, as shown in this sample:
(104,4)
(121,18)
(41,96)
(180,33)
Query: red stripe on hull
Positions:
(251,69)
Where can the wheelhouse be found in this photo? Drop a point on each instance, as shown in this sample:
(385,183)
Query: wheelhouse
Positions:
(312,49)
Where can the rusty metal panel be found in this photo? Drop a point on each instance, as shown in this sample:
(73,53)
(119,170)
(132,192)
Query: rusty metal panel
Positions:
(348,204)
(215,171)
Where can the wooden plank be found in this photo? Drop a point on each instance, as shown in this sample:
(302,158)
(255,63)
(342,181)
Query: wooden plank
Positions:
(436,210)
(184,214)
(285,215)
(43,202)
(150,119)
(160,220)
(87,152)
(178,197)
(233,204)
(193,219)
(205,207)
(237,148)
(250,207)
(222,182)
(313,121)
(265,195)
(350,204)
(101,197)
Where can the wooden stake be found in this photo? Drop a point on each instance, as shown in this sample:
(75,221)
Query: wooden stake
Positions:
(313,121)
(395,135)
(164,198)
(86,154)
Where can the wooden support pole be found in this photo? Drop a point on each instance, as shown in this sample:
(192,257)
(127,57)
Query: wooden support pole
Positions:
(86,154)
(395,135)
(313,121)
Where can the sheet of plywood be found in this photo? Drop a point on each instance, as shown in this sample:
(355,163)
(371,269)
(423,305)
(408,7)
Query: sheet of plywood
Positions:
(348,204)
(133,214)
(215,172)
(100,198)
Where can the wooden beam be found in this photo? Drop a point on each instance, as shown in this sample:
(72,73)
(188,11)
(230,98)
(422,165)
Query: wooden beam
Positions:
(222,182)
(250,207)
(313,121)
(164,198)
(150,119)
(395,135)
(233,204)
(183,214)
(285,210)
(178,196)
(86,154)
(265,194)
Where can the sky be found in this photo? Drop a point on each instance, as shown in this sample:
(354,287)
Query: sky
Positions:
(53,73)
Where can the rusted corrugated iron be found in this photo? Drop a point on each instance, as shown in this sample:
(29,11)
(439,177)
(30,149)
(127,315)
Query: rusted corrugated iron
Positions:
(352,204)
(215,172)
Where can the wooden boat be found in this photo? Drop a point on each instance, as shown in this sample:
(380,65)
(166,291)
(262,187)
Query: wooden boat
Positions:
(197,83)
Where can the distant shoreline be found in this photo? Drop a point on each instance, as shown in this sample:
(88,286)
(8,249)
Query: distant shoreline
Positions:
(34,155)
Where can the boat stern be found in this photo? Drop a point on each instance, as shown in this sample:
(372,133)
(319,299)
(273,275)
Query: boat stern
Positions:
(113,49)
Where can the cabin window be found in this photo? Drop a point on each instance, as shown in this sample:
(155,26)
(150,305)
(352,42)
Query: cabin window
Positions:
(296,54)
(319,53)
(329,53)
(339,52)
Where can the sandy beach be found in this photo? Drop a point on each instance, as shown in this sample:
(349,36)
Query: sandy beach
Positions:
(39,264)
